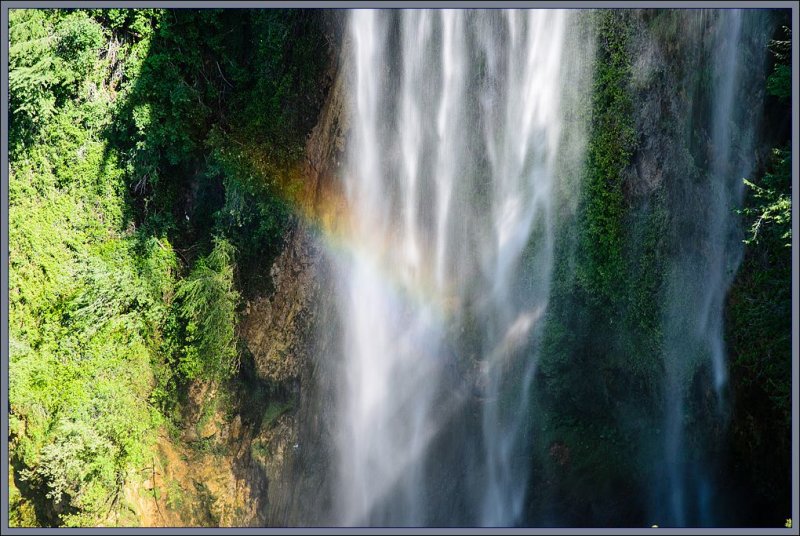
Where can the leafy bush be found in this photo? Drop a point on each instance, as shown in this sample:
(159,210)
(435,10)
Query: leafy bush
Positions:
(88,293)
(759,314)
(78,40)
(772,213)
(30,74)
(207,303)
(779,83)
(759,310)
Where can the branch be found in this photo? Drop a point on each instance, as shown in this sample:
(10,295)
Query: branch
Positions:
(222,75)
(158,507)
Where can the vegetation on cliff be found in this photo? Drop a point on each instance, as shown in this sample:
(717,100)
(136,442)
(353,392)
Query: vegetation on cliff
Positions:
(148,148)
(759,309)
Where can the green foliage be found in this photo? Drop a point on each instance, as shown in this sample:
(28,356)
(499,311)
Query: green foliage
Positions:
(611,144)
(759,311)
(87,293)
(773,201)
(131,131)
(760,300)
(54,57)
(78,41)
(66,464)
(588,297)
(758,314)
(137,23)
(21,512)
(207,304)
(30,75)
(80,391)
(216,123)
(779,83)
(254,220)
(604,314)
(79,384)
(615,276)
(198,90)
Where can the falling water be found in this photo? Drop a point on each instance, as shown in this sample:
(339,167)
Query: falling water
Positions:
(726,194)
(706,261)
(464,150)
(456,127)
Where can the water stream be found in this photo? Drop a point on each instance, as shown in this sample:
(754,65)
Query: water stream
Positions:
(457,125)
(464,142)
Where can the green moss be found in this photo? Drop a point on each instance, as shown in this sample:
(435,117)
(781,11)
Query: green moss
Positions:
(611,144)
(599,363)
(273,412)
(176,498)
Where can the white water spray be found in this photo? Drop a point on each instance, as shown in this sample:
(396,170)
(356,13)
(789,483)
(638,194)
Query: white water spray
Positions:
(456,126)
(705,264)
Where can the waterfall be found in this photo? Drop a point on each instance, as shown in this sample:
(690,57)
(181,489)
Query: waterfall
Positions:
(464,162)
(705,262)
(456,128)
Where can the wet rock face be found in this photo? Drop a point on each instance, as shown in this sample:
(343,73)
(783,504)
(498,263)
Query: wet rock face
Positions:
(273,328)
(662,101)
(290,451)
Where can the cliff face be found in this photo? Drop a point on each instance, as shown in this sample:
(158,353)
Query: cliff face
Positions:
(205,475)
(253,452)
(279,331)
(274,327)
(679,246)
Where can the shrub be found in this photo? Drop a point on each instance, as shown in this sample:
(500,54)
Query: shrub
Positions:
(207,304)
